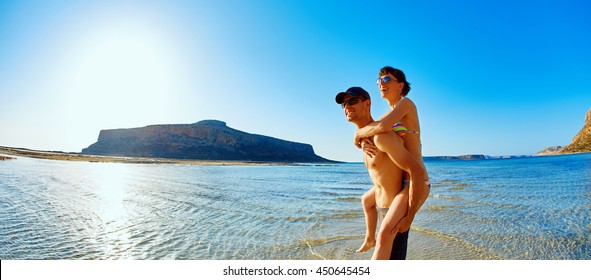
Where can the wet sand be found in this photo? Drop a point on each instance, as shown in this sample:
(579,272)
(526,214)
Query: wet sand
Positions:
(53,155)
(422,245)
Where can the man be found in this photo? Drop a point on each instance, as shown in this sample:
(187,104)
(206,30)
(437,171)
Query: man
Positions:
(383,171)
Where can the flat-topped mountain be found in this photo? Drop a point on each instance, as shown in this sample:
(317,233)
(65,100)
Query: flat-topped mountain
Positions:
(204,140)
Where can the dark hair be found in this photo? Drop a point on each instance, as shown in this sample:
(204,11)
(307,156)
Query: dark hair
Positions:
(399,75)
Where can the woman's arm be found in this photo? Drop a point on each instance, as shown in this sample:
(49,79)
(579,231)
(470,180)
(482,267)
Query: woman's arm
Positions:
(385,123)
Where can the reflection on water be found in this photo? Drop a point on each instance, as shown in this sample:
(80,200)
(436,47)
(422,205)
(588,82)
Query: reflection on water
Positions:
(476,210)
(111,191)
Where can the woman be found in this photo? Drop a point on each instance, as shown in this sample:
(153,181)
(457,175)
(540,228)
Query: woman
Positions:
(403,119)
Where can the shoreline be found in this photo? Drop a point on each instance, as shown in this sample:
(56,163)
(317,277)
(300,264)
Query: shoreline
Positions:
(63,156)
(5,158)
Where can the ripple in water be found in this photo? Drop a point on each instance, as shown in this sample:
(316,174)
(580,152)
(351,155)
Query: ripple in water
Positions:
(537,208)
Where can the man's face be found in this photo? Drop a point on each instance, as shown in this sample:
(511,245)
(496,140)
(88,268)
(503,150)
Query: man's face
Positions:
(354,107)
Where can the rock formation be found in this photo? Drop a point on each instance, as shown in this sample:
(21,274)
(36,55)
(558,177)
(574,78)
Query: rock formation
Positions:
(204,140)
(549,151)
(582,141)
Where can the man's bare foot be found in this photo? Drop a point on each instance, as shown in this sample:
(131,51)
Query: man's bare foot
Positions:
(368,244)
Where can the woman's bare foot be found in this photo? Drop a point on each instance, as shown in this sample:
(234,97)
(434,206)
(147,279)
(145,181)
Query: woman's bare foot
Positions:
(368,244)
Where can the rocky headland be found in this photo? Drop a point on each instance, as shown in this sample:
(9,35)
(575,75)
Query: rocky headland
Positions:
(581,142)
(204,140)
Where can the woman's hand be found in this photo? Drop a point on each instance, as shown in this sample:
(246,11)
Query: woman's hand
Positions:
(369,147)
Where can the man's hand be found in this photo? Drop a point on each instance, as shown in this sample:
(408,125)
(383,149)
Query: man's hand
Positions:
(369,147)
(357,140)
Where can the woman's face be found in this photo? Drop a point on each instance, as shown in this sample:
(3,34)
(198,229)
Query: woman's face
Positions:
(389,86)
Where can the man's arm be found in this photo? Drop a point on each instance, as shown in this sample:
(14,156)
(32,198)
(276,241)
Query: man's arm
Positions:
(385,124)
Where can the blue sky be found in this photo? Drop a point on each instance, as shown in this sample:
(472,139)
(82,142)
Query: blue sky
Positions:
(488,77)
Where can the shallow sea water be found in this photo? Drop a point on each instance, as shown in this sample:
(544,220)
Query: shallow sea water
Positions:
(529,208)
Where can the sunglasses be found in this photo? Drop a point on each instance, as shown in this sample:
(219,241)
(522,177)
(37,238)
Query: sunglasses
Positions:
(351,101)
(385,80)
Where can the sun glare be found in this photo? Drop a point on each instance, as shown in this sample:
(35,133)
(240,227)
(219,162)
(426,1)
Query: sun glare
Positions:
(121,76)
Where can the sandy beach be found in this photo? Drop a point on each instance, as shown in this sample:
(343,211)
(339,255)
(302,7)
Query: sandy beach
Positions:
(5,158)
(54,155)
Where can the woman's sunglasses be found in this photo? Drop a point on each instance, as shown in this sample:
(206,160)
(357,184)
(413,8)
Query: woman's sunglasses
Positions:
(385,80)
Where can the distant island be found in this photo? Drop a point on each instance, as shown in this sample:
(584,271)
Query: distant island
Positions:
(581,142)
(204,140)
(472,157)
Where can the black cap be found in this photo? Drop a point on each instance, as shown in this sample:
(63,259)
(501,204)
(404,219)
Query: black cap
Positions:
(353,91)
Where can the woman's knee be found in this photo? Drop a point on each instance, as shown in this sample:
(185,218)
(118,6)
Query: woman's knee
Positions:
(385,237)
(367,202)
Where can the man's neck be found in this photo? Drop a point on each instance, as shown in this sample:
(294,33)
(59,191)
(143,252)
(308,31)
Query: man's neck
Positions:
(364,122)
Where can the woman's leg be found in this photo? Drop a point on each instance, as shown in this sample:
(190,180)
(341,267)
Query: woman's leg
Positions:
(390,144)
(368,201)
(388,228)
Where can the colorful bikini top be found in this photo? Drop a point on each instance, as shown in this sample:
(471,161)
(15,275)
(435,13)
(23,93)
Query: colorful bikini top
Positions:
(401,130)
